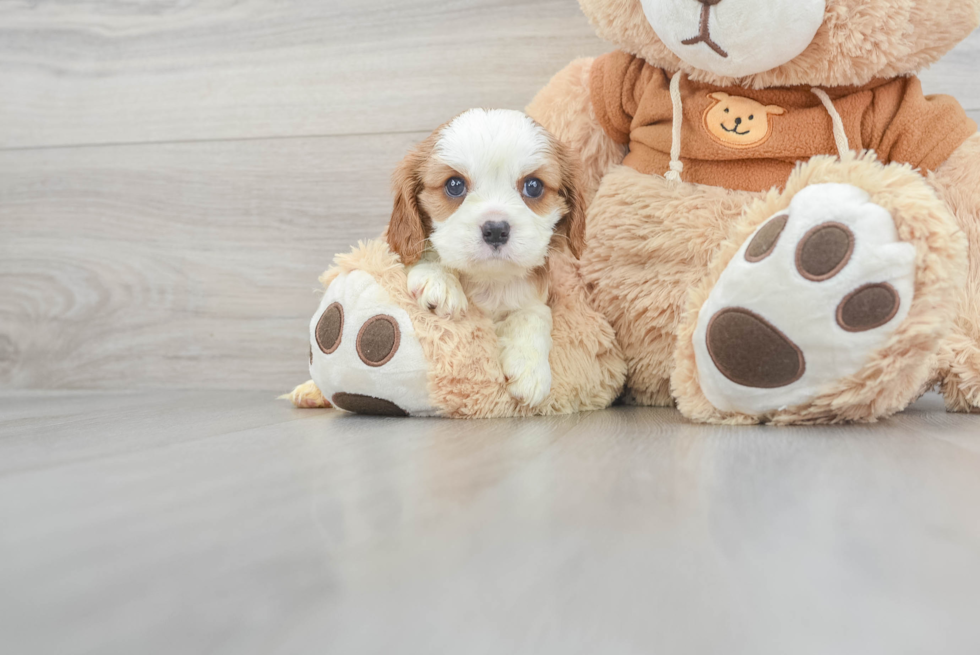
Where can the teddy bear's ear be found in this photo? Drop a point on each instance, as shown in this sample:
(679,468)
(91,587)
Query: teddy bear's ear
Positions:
(776,110)
(408,231)
(719,96)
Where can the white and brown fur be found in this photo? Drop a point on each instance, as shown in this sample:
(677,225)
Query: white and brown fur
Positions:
(440,238)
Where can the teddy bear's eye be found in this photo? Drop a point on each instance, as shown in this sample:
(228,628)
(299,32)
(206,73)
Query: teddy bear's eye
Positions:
(752,118)
(726,110)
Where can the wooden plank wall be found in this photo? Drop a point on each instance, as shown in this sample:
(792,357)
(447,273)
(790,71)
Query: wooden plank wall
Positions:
(174,175)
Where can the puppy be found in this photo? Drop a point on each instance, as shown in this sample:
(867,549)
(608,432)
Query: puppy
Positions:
(479,206)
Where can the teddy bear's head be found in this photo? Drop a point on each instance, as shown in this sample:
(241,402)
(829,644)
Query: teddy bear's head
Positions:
(766,43)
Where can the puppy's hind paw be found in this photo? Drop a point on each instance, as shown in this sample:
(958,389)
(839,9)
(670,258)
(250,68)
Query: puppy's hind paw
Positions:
(437,290)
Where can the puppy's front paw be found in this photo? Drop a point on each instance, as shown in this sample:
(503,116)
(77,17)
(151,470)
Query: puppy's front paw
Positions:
(528,376)
(437,290)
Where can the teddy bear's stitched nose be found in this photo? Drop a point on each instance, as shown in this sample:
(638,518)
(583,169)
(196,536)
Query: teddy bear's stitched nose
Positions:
(738,121)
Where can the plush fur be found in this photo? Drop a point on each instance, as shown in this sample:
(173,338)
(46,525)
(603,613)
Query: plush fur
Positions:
(656,248)
(650,241)
(958,184)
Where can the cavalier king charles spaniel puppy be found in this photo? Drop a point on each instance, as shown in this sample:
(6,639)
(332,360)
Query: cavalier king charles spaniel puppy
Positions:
(479,206)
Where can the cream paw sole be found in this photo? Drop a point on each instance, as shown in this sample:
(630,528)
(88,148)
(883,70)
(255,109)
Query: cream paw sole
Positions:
(805,302)
(364,354)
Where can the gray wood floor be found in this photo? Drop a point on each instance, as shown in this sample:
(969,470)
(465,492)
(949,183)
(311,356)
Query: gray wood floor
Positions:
(223,522)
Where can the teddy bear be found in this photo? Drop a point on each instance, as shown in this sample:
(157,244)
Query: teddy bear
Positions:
(781,228)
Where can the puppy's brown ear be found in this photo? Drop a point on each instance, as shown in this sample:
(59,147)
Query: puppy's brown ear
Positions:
(572,224)
(408,228)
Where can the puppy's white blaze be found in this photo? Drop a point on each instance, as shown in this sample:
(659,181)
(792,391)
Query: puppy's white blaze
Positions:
(492,146)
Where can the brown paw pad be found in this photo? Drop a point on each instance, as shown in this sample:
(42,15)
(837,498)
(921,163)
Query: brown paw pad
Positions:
(765,240)
(824,251)
(358,404)
(869,307)
(329,329)
(378,340)
(750,351)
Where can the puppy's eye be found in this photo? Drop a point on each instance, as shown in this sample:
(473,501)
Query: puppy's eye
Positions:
(456,187)
(533,187)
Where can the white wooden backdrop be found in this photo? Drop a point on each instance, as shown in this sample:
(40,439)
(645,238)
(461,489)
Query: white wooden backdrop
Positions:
(175,174)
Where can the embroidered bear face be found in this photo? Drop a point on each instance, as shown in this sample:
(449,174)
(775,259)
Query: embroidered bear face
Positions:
(776,43)
(738,122)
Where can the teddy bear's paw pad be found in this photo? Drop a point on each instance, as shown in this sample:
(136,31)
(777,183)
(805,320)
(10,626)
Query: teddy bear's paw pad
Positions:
(805,303)
(766,238)
(750,351)
(329,328)
(365,355)
(870,307)
(824,251)
(358,404)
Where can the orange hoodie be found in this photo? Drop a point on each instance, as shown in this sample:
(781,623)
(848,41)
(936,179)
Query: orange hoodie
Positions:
(752,139)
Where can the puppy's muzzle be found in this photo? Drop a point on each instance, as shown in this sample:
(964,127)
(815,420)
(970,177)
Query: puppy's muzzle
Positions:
(496,233)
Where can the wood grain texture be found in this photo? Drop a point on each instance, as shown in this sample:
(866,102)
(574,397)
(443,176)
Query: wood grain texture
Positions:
(179,265)
(221,523)
(109,71)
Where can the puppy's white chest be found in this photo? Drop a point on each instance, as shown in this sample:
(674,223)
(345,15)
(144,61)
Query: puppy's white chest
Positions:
(499,299)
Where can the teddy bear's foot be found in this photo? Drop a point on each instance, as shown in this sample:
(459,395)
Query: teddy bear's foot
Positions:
(365,356)
(806,301)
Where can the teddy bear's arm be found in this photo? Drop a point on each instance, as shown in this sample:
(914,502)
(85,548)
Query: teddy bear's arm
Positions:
(564,107)
(958,183)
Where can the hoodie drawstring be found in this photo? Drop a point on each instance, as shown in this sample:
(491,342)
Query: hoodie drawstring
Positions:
(676,165)
(840,136)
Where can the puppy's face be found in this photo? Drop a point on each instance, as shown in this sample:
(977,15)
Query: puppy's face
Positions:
(492,192)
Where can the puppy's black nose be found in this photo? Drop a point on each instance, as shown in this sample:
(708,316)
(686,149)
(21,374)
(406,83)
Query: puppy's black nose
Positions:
(496,233)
